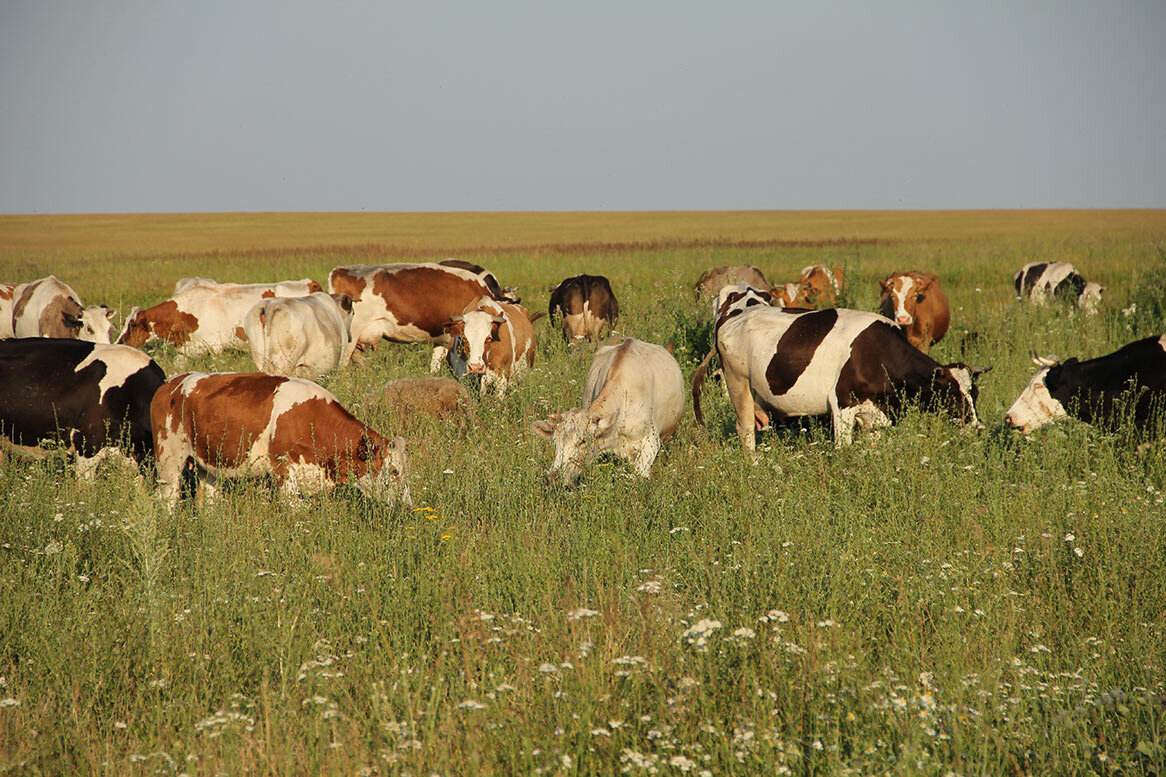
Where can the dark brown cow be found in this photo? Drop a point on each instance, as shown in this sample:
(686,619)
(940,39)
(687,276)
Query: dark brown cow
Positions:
(249,424)
(586,304)
(916,303)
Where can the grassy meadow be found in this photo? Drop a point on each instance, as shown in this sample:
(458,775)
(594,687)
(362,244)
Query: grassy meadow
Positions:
(926,601)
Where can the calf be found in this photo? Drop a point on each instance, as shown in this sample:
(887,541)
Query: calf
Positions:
(405,303)
(49,308)
(205,318)
(915,301)
(440,398)
(1038,281)
(495,340)
(857,366)
(304,336)
(95,398)
(719,277)
(1128,384)
(238,424)
(586,305)
(634,398)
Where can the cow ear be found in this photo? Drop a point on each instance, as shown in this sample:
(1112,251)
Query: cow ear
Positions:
(544,429)
(885,285)
(601,425)
(109,313)
(365,448)
(979,370)
(344,301)
(71,321)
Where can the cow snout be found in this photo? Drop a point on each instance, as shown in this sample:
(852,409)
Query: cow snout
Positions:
(903,320)
(476,369)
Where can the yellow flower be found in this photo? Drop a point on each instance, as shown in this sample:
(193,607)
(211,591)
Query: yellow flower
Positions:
(445,537)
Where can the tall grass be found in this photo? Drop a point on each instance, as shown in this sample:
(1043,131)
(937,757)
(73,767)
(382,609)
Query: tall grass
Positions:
(923,602)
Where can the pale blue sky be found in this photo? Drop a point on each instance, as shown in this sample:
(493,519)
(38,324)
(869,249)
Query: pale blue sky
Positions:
(223,106)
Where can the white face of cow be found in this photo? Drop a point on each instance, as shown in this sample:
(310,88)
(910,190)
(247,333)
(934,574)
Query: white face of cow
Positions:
(480,328)
(388,482)
(1035,406)
(97,324)
(1090,297)
(903,289)
(578,439)
(965,379)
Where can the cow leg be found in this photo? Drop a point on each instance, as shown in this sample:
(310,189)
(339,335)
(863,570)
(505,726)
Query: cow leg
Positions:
(87,466)
(843,419)
(649,449)
(169,460)
(439,352)
(742,398)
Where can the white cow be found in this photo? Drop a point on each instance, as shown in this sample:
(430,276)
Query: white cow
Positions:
(49,308)
(302,336)
(634,398)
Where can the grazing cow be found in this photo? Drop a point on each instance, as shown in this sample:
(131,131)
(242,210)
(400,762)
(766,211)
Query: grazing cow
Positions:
(91,396)
(495,340)
(204,318)
(1038,281)
(508,294)
(586,304)
(440,398)
(252,424)
(818,287)
(1128,384)
(915,301)
(719,277)
(405,303)
(304,336)
(278,289)
(6,290)
(634,398)
(49,308)
(855,365)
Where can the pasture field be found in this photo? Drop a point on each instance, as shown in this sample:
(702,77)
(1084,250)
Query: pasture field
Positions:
(926,601)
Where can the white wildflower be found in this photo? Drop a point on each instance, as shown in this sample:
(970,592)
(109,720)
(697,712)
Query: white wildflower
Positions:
(1080,553)
(682,763)
(600,732)
(1070,536)
(776,616)
(471,704)
(9,702)
(582,612)
(649,587)
(547,668)
(745,633)
(827,624)
(53,548)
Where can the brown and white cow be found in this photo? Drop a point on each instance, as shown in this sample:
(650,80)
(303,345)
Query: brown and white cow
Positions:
(93,397)
(6,290)
(206,318)
(405,303)
(586,305)
(633,400)
(854,365)
(494,340)
(49,308)
(252,424)
(718,277)
(302,336)
(817,288)
(915,301)
(298,288)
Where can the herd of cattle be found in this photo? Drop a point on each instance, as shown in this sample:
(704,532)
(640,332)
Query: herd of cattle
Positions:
(784,351)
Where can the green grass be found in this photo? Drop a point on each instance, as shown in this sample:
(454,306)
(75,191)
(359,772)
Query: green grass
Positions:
(924,602)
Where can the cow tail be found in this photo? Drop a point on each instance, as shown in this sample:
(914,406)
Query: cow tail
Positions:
(697,384)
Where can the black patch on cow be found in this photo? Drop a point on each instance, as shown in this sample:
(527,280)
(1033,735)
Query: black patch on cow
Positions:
(797,347)
(1128,385)
(1028,278)
(1070,288)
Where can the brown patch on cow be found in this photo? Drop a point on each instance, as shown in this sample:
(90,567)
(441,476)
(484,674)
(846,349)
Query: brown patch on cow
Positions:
(321,432)
(425,297)
(22,301)
(344,282)
(267,294)
(241,333)
(54,316)
(313,287)
(6,290)
(165,321)
(796,348)
(231,411)
(167,405)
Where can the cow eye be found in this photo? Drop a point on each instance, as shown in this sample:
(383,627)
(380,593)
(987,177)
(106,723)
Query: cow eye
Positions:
(918,297)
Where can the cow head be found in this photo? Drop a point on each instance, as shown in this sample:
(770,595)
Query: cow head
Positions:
(579,437)
(476,333)
(902,295)
(384,469)
(137,329)
(786,295)
(1089,300)
(954,387)
(1036,406)
(96,324)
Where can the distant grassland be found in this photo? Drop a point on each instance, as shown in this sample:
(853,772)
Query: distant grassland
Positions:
(926,601)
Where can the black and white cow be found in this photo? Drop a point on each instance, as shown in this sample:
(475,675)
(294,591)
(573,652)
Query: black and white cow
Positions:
(1097,391)
(1039,281)
(93,397)
(857,366)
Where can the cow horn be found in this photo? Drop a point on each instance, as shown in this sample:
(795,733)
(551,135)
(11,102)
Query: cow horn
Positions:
(497,320)
(1044,361)
(456,318)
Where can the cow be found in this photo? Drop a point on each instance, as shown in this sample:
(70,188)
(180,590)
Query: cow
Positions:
(1128,384)
(298,288)
(93,397)
(441,398)
(494,340)
(253,424)
(507,294)
(1038,281)
(633,399)
(586,304)
(857,366)
(301,336)
(719,277)
(205,318)
(915,302)
(49,308)
(6,290)
(817,288)
(405,303)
